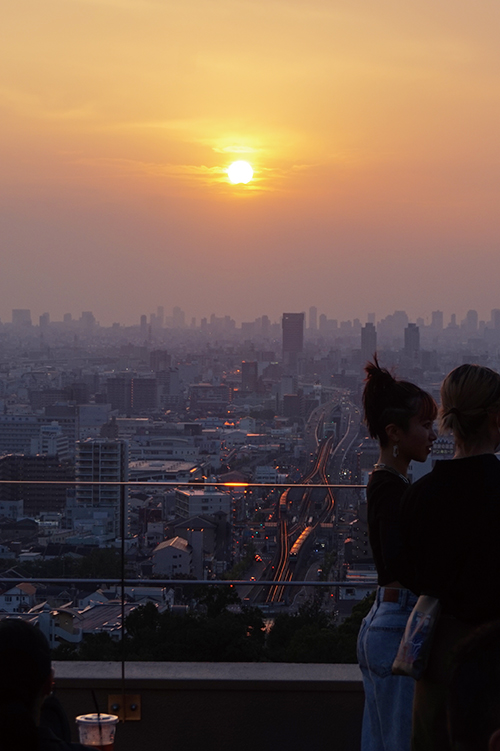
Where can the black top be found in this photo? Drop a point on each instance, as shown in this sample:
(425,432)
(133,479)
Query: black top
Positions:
(53,717)
(54,731)
(450,530)
(383,493)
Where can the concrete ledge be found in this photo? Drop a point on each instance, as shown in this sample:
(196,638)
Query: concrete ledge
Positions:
(293,676)
(223,706)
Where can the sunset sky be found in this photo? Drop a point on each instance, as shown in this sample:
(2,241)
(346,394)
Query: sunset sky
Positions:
(373,128)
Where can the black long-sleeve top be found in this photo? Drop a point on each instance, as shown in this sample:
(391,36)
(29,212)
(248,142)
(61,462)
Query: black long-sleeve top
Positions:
(450,533)
(383,493)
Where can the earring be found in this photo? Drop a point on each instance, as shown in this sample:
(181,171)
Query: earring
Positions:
(395,451)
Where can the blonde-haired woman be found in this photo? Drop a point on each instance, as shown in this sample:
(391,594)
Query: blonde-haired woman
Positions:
(450,526)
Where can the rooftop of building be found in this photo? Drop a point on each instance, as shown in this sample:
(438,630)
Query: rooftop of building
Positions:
(166,465)
(175,542)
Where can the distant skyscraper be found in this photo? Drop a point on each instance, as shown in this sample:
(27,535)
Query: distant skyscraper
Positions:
(266,324)
(21,317)
(313,318)
(293,337)
(44,320)
(144,327)
(412,341)
(471,321)
(437,320)
(178,318)
(368,343)
(160,316)
(87,320)
(495,318)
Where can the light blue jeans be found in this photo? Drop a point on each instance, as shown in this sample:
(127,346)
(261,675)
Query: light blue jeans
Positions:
(388,698)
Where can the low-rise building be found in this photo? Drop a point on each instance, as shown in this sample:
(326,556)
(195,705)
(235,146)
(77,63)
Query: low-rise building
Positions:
(172,557)
(164,471)
(202,502)
(18,599)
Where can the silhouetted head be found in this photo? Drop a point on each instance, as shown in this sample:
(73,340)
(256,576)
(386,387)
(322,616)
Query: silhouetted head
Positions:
(25,677)
(387,400)
(470,394)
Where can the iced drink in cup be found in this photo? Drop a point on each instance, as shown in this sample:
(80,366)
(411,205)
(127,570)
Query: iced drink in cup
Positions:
(97,730)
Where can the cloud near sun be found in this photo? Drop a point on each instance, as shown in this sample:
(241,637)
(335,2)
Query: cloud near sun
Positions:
(209,175)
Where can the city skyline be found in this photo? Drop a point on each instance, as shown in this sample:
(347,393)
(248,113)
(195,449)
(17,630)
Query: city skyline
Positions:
(313,318)
(371,129)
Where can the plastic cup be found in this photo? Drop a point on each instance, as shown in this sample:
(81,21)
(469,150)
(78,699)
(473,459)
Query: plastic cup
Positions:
(97,730)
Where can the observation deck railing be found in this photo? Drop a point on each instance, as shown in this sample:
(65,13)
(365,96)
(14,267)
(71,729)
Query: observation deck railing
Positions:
(216,706)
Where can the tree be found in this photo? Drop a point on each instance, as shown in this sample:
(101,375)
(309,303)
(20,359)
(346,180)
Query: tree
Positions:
(100,647)
(311,636)
(105,562)
(217,599)
(100,562)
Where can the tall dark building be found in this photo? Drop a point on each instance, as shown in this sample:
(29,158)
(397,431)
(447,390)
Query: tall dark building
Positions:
(437,320)
(37,498)
(143,394)
(119,393)
(313,318)
(249,374)
(144,327)
(368,343)
(159,359)
(495,318)
(266,324)
(292,325)
(412,341)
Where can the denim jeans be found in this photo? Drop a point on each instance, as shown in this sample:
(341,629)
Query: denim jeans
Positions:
(387,714)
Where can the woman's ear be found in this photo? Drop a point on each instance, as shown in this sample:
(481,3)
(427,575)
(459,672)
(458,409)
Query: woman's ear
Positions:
(393,432)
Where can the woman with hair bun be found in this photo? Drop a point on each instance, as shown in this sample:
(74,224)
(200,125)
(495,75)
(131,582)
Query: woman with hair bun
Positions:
(400,415)
(450,527)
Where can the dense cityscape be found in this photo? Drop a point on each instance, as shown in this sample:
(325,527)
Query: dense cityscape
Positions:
(249,375)
(204,423)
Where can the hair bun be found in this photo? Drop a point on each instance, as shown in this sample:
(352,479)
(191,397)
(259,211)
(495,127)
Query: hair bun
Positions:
(377,376)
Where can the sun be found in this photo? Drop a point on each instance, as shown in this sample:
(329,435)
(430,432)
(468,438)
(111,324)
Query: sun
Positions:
(240,172)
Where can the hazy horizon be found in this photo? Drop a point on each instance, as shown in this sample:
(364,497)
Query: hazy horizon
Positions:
(372,129)
(168,323)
